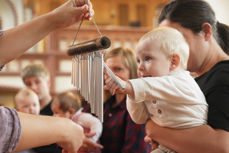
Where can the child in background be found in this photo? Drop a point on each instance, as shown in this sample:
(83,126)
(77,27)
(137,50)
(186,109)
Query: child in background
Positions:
(69,105)
(37,78)
(166,93)
(27,101)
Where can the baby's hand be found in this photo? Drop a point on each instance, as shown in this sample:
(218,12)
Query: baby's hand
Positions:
(112,85)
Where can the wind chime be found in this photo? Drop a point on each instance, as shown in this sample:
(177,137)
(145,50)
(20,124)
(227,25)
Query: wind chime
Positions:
(87,69)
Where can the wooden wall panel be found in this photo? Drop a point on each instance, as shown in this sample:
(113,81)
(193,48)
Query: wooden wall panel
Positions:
(107,12)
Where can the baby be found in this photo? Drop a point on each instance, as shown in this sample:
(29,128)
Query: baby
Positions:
(27,101)
(68,105)
(165,92)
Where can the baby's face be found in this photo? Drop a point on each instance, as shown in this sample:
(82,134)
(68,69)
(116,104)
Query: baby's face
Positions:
(59,112)
(152,61)
(29,104)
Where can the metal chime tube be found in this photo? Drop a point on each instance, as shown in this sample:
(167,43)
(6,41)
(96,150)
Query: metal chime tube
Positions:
(87,71)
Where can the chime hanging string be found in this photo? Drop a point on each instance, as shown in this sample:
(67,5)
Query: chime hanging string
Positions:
(96,26)
(93,20)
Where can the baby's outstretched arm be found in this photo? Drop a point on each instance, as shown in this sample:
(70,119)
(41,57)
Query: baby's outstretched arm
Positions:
(113,85)
(137,110)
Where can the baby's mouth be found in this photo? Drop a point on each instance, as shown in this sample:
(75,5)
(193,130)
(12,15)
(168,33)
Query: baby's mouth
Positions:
(144,76)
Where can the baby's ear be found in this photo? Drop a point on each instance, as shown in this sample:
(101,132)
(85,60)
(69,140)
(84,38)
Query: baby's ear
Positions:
(175,61)
(72,111)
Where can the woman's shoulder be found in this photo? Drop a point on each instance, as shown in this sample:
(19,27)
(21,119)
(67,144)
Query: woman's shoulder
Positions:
(10,129)
(222,64)
(219,70)
(217,76)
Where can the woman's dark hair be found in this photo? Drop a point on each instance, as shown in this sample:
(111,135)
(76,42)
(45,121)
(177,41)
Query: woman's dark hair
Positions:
(192,14)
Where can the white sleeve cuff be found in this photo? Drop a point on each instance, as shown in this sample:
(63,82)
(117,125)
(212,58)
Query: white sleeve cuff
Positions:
(139,90)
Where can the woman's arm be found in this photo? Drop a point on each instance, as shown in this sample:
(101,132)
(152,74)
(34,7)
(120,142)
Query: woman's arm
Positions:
(16,41)
(194,140)
(44,130)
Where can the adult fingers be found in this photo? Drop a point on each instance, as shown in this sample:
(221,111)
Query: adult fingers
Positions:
(90,134)
(109,82)
(79,2)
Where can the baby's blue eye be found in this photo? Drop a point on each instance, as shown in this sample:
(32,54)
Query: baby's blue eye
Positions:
(26,106)
(147,58)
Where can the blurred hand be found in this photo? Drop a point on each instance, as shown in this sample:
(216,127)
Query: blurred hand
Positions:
(149,128)
(90,12)
(71,12)
(73,140)
(152,143)
(88,145)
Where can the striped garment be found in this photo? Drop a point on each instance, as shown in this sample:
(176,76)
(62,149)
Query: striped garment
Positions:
(120,134)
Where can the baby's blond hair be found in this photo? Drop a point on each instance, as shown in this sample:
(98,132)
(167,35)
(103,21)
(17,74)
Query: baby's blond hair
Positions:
(24,92)
(172,42)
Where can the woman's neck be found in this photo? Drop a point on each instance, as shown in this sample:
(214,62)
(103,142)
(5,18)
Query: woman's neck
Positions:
(45,101)
(119,98)
(216,54)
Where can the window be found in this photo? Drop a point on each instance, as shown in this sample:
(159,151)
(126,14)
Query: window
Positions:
(0,22)
(141,14)
(123,15)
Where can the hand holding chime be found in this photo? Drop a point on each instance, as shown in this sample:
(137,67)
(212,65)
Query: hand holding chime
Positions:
(87,70)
